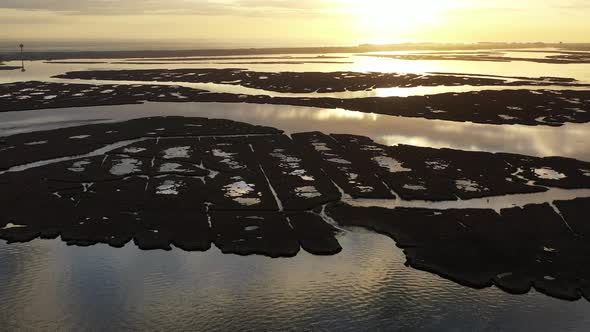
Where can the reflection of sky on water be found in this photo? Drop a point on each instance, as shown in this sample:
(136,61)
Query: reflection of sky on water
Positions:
(378,92)
(49,285)
(569,140)
(38,70)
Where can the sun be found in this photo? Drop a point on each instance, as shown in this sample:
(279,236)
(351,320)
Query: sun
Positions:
(391,19)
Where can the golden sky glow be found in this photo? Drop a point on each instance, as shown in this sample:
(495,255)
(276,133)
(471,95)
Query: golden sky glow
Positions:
(298,21)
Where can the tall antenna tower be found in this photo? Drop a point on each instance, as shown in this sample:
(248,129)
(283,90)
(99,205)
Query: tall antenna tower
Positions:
(22,57)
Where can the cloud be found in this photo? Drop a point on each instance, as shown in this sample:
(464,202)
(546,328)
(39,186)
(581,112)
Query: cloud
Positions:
(192,7)
(276,8)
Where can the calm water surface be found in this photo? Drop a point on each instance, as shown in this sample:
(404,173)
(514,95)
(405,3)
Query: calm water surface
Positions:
(47,285)
(570,140)
(37,70)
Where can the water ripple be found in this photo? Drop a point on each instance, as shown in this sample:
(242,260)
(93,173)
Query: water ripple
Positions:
(47,285)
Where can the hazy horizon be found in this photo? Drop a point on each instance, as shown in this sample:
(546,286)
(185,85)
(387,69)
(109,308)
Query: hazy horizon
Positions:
(56,45)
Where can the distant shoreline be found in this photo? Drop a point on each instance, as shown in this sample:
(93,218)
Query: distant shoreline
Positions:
(64,55)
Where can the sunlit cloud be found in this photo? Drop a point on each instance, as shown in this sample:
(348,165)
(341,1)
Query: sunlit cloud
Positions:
(270,7)
(330,21)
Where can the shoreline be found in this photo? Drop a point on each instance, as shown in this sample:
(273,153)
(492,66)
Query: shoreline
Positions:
(63,55)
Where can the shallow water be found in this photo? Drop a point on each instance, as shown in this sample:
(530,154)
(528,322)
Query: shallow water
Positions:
(580,72)
(570,140)
(378,92)
(496,203)
(39,70)
(49,286)
(42,71)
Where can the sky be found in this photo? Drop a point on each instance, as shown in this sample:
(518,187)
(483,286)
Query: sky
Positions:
(297,22)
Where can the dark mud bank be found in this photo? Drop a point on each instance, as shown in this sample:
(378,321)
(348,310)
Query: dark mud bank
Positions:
(194,182)
(526,107)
